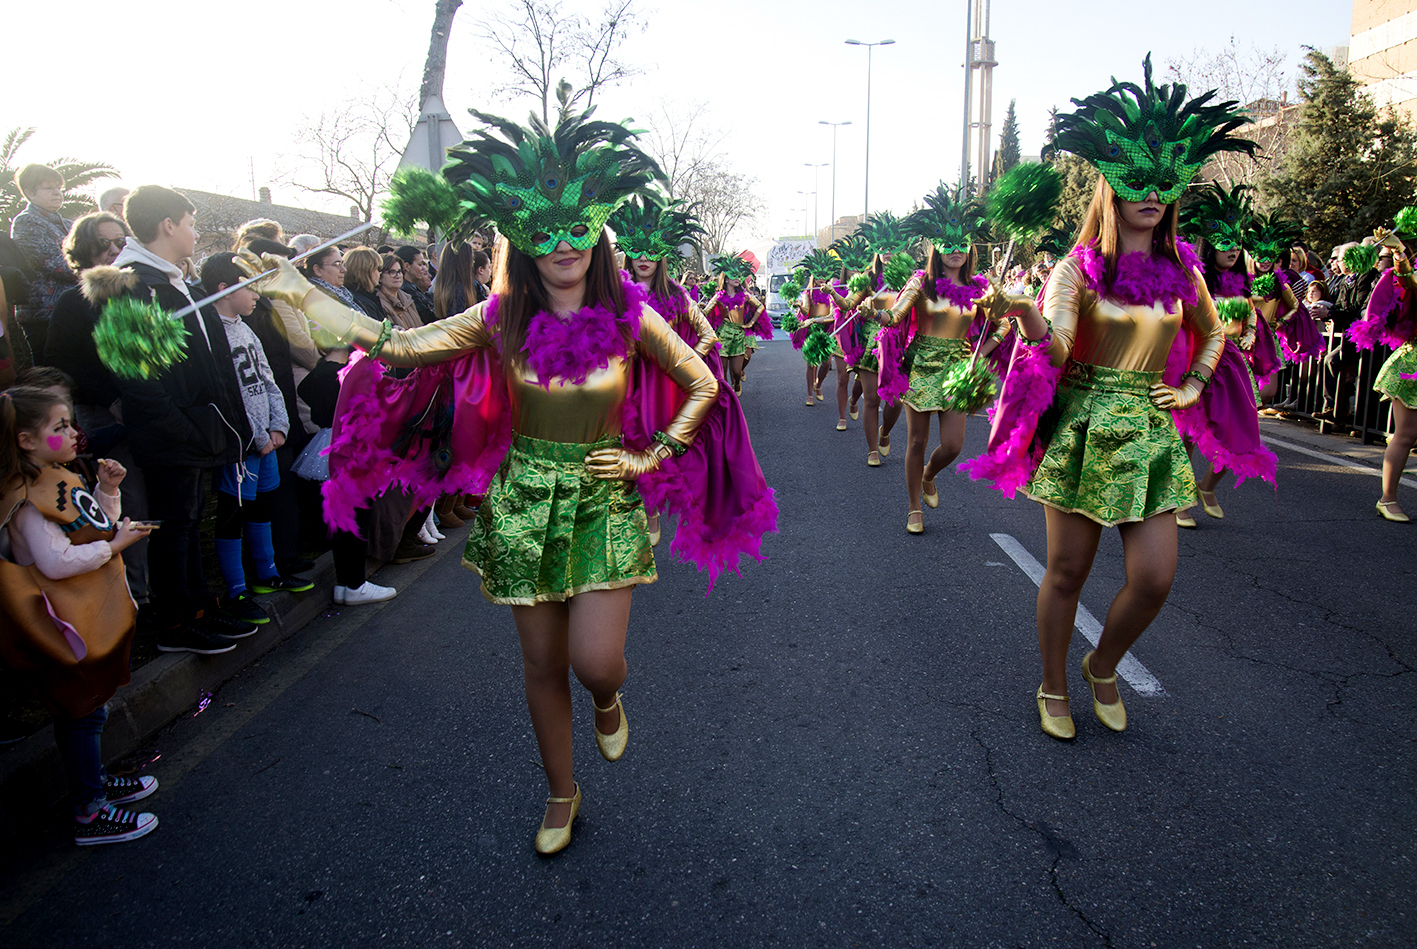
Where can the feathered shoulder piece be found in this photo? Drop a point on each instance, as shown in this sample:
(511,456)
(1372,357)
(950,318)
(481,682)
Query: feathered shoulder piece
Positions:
(1150,138)
(948,220)
(540,186)
(1268,236)
(885,233)
(733,267)
(853,251)
(821,264)
(646,231)
(1219,216)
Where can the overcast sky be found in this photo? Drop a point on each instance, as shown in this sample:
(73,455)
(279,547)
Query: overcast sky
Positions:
(199,95)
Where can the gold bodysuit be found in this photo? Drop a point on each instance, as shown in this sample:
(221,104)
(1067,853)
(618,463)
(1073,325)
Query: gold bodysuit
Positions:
(938,317)
(1277,309)
(1104,332)
(708,339)
(583,413)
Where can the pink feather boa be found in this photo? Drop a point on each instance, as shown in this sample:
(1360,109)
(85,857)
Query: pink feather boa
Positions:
(1233,283)
(1013,452)
(961,296)
(1391,316)
(1142,279)
(1223,425)
(570,348)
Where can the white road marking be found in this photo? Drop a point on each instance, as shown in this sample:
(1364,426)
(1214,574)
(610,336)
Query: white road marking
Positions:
(1333,459)
(1130,668)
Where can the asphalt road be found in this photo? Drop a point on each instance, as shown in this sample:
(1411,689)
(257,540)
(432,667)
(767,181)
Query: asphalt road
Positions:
(840,748)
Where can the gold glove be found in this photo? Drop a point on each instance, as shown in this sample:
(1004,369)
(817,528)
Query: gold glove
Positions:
(286,284)
(997,305)
(622,464)
(1387,238)
(1247,341)
(1170,397)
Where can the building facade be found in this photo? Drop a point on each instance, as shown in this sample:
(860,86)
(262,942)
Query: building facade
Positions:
(1382,51)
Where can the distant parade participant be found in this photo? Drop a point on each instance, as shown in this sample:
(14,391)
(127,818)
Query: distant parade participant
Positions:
(815,315)
(1110,451)
(732,311)
(542,398)
(937,325)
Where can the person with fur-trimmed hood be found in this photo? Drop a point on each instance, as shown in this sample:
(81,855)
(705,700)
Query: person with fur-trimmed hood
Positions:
(186,419)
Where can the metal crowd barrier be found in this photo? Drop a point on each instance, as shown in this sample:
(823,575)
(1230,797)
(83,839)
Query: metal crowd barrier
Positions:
(1310,385)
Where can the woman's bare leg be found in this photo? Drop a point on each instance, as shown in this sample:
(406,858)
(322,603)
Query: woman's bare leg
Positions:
(917,436)
(1399,447)
(841,387)
(871,414)
(1072,545)
(1149,550)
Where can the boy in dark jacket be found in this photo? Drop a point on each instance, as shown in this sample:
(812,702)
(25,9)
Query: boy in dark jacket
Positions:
(182,423)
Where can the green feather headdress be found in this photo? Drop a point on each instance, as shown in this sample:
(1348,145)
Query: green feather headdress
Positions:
(733,267)
(1268,237)
(947,220)
(853,251)
(885,233)
(646,231)
(1058,241)
(1220,217)
(1149,138)
(541,187)
(821,264)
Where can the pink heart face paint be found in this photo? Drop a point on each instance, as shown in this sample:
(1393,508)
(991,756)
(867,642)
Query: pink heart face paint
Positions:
(56,442)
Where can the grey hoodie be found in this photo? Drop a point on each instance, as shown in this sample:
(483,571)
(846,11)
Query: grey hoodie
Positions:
(265,406)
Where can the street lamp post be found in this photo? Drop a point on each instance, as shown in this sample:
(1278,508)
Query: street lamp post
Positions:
(866,211)
(816,224)
(794,211)
(804,210)
(834,126)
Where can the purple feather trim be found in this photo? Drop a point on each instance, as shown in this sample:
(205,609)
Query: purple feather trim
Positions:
(1233,283)
(961,296)
(891,343)
(674,306)
(799,336)
(733,302)
(1391,317)
(1026,394)
(1142,279)
(568,349)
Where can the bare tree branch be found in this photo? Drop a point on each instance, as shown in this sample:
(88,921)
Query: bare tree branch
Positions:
(352,153)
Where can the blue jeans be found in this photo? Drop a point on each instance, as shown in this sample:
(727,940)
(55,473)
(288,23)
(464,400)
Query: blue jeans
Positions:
(79,741)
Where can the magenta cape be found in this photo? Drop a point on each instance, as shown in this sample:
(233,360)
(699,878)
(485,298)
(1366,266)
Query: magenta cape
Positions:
(1391,316)
(1224,425)
(1264,354)
(1299,335)
(445,429)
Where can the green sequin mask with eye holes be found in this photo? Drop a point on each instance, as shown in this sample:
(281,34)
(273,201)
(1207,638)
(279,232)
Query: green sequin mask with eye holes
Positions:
(1268,237)
(1218,216)
(1149,139)
(949,221)
(645,231)
(542,187)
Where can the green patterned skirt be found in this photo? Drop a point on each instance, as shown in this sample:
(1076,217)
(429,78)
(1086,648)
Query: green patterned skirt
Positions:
(548,530)
(869,362)
(1390,382)
(731,339)
(927,360)
(1113,456)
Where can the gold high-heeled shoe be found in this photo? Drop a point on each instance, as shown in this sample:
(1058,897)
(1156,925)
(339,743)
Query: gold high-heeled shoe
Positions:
(1184,519)
(873,459)
(552,839)
(819,394)
(809,401)
(841,425)
(1056,726)
(915,527)
(883,439)
(612,746)
(654,532)
(1114,716)
(854,412)
(1211,506)
(1385,508)
(930,492)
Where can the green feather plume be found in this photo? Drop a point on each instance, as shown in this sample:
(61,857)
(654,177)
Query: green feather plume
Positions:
(1025,199)
(885,233)
(968,386)
(417,196)
(790,290)
(1231,309)
(1217,215)
(853,251)
(1360,259)
(1058,241)
(818,347)
(1264,286)
(821,265)
(1405,224)
(138,340)
(733,267)
(859,283)
(790,320)
(898,271)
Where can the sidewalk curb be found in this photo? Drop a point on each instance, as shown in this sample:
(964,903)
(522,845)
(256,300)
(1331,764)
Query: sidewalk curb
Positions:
(31,774)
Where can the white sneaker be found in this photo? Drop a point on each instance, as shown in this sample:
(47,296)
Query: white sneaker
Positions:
(368,593)
(431,526)
(426,537)
(340,594)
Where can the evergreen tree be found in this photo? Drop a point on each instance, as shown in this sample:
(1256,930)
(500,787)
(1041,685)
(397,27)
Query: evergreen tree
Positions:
(1052,126)
(1348,168)
(1008,154)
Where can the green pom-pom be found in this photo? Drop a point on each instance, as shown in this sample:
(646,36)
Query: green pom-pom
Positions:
(138,340)
(790,322)
(417,196)
(859,283)
(1406,222)
(1025,199)
(898,271)
(1360,259)
(1232,308)
(1264,286)
(968,386)
(790,290)
(818,347)
(801,275)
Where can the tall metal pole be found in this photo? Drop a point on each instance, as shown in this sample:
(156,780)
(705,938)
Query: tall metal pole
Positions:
(816,223)
(968,79)
(866,201)
(834,126)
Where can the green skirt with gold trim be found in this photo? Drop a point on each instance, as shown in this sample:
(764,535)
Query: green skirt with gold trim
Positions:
(927,360)
(869,361)
(1390,382)
(548,530)
(1113,456)
(732,341)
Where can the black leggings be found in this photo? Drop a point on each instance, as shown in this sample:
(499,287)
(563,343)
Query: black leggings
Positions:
(350,552)
(230,515)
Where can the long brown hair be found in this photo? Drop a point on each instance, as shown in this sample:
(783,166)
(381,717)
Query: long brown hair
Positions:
(935,270)
(1101,224)
(454,271)
(521,294)
(23,409)
(659,283)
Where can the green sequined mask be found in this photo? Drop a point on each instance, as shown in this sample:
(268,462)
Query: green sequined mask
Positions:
(732,267)
(1147,139)
(1218,216)
(541,187)
(947,221)
(885,234)
(645,231)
